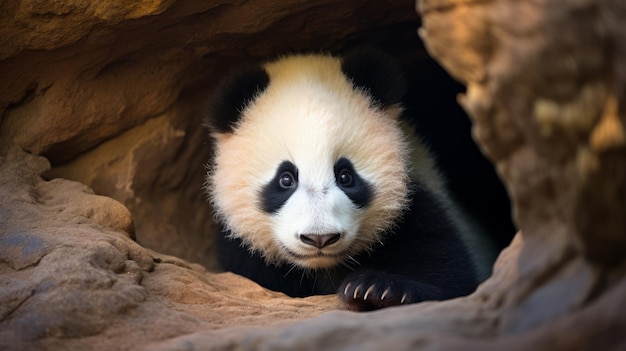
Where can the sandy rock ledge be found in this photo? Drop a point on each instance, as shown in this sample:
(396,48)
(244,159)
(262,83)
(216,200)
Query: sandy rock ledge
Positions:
(72,278)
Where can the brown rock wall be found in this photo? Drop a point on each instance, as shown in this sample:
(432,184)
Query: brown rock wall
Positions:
(541,91)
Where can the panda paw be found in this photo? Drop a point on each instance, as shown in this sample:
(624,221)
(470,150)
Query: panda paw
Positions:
(372,290)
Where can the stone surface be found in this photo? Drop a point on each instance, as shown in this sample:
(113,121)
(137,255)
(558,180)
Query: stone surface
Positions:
(109,95)
(542,93)
(71,277)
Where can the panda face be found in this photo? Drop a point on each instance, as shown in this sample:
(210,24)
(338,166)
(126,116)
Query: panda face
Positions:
(313,172)
(316,210)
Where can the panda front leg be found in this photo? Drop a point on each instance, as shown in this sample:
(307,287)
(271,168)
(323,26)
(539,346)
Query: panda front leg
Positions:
(424,259)
(372,289)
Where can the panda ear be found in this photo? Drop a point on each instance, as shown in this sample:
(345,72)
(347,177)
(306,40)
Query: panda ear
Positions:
(233,95)
(377,73)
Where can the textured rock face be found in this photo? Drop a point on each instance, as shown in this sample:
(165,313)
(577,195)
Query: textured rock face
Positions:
(547,100)
(108,93)
(71,277)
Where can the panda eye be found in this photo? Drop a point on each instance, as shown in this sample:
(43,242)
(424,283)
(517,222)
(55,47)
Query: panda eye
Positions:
(345,178)
(286,180)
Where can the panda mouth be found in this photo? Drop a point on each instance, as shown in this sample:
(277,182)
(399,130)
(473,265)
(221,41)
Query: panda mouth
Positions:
(319,254)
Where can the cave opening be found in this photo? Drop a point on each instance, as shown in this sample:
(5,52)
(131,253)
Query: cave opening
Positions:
(156,165)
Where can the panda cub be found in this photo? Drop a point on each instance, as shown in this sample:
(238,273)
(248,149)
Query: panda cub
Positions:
(321,188)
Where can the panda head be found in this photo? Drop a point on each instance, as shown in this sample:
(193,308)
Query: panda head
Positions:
(310,162)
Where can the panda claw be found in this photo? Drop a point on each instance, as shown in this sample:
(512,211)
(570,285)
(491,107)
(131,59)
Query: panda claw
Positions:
(368,291)
(372,290)
(403,299)
(356,292)
(382,297)
(345,291)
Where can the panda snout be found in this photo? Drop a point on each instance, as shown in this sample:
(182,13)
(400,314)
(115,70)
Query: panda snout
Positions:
(320,240)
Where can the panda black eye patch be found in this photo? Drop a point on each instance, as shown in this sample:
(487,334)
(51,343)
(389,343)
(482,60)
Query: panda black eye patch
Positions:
(278,190)
(350,182)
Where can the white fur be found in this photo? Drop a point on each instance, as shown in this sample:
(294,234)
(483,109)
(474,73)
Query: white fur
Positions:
(311,115)
(311,210)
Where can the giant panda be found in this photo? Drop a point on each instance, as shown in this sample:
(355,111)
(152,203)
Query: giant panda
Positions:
(321,186)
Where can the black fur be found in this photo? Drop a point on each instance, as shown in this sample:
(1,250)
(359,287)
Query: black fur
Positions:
(233,95)
(377,74)
(273,195)
(359,191)
(423,259)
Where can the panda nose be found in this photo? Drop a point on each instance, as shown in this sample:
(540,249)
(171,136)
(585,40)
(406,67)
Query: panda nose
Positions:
(320,240)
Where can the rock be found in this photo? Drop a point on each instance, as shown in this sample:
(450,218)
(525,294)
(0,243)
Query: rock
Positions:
(540,93)
(57,279)
(70,274)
